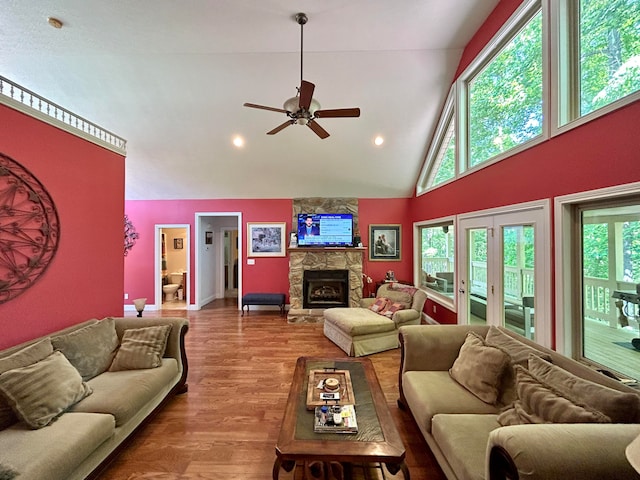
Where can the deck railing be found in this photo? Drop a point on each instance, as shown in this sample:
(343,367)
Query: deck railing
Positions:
(31,103)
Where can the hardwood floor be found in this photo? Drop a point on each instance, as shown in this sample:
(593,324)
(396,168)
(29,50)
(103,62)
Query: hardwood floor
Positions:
(227,425)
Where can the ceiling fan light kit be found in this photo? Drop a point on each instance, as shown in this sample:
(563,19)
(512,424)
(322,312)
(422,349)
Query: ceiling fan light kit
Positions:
(303,109)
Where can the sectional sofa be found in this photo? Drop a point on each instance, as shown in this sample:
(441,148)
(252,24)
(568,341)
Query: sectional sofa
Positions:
(69,400)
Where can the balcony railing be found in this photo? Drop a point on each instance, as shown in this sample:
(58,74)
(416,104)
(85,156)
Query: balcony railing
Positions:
(31,103)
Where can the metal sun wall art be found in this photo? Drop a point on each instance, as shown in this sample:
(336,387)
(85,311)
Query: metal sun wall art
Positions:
(29,229)
(130,235)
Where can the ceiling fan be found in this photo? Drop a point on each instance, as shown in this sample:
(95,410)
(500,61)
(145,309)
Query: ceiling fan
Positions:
(303,109)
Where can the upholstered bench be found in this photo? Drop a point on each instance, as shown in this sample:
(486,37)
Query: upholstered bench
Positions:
(263,299)
(361,331)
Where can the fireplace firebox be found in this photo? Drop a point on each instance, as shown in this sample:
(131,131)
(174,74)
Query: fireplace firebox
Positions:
(325,288)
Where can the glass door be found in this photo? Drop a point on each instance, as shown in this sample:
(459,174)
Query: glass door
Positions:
(504,260)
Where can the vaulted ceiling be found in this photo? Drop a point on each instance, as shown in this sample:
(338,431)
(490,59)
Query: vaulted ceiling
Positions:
(171,78)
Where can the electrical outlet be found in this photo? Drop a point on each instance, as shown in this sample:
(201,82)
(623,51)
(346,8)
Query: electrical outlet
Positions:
(126,296)
(434,309)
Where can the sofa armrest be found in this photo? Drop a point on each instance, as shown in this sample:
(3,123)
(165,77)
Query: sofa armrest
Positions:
(367,302)
(175,343)
(560,451)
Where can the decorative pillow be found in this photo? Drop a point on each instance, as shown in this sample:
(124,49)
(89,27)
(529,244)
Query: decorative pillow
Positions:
(519,353)
(379,305)
(479,368)
(90,349)
(410,289)
(27,356)
(40,392)
(621,407)
(141,348)
(392,308)
(7,473)
(398,296)
(539,403)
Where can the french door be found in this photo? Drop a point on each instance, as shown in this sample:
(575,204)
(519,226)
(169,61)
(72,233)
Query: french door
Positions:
(504,270)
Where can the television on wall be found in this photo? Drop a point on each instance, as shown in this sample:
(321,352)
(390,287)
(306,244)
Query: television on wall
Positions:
(325,230)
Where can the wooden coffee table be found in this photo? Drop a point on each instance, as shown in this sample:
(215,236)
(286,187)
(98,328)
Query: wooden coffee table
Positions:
(377,440)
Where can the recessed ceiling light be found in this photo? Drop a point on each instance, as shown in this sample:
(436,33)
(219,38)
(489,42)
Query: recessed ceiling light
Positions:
(238,141)
(378,141)
(54,22)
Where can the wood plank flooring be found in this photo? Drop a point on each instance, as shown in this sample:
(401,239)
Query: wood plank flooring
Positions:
(227,425)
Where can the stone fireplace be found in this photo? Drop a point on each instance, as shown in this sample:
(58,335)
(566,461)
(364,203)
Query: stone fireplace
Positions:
(325,288)
(347,261)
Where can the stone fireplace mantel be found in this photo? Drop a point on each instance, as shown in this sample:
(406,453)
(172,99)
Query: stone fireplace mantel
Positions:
(301,259)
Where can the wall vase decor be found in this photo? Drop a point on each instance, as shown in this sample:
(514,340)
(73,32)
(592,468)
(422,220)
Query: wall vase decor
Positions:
(29,229)
(130,235)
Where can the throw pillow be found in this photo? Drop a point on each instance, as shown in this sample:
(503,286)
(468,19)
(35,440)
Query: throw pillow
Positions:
(40,392)
(479,368)
(141,348)
(379,305)
(27,356)
(392,308)
(539,403)
(621,407)
(410,289)
(90,349)
(519,353)
(7,473)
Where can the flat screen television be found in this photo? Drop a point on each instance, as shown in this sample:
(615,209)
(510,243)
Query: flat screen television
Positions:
(325,230)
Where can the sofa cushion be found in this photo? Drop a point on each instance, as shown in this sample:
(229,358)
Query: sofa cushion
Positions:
(539,403)
(479,368)
(141,348)
(358,321)
(462,438)
(518,352)
(38,393)
(429,393)
(125,393)
(621,407)
(399,296)
(55,451)
(90,349)
(27,356)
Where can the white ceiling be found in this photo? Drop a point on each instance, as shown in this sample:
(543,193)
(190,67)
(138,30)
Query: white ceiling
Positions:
(171,78)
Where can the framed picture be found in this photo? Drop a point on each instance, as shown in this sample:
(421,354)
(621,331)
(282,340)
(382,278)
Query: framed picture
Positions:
(208,238)
(384,243)
(266,239)
(178,243)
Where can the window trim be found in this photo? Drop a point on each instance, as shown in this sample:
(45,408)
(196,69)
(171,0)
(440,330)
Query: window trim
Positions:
(448,302)
(566,292)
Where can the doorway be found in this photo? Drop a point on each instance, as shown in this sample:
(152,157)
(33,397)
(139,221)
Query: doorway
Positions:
(218,268)
(172,267)
(504,269)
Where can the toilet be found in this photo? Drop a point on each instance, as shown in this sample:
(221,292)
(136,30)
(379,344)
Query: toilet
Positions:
(170,289)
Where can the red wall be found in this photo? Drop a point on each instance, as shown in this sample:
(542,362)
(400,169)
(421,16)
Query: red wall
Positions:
(270,274)
(598,154)
(86,183)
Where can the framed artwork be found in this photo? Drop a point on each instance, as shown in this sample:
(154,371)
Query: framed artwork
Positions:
(208,238)
(266,239)
(178,243)
(384,243)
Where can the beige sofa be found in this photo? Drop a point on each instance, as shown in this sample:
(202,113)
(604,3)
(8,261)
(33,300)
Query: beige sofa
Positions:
(361,331)
(121,370)
(475,439)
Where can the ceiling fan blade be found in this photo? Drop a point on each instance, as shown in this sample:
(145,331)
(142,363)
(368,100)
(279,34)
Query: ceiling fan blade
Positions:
(321,132)
(280,127)
(338,112)
(306,94)
(262,107)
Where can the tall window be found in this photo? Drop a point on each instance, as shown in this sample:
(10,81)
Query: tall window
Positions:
(505,97)
(610,259)
(437,256)
(609,44)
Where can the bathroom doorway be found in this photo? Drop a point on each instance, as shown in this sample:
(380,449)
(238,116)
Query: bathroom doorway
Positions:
(172,267)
